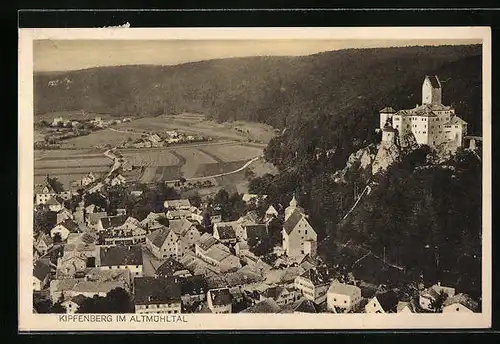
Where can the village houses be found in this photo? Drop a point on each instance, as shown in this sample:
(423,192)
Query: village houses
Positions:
(121,258)
(313,285)
(220,300)
(343,296)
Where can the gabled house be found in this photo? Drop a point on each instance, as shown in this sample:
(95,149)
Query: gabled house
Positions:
(151,220)
(429,295)
(94,219)
(64,228)
(460,303)
(63,215)
(157,295)
(121,258)
(299,238)
(406,307)
(164,243)
(43,243)
(219,300)
(343,296)
(172,268)
(386,302)
(55,203)
(41,274)
(44,192)
(186,231)
(270,214)
(313,284)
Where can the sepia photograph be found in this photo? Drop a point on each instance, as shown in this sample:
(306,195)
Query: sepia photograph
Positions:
(191,179)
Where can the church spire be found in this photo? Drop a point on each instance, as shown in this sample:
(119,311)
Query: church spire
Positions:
(293,202)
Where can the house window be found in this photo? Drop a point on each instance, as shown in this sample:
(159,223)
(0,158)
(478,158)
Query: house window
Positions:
(458,309)
(306,231)
(345,301)
(335,300)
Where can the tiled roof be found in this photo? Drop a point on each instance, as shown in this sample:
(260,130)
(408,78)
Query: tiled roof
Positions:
(434,81)
(70,225)
(256,230)
(151,290)
(220,297)
(273,292)
(46,239)
(315,276)
(226,232)
(52,201)
(95,217)
(113,221)
(388,109)
(292,221)
(217,252)
(159,236)
(304,306)
(455,120)
(344,289)
(178,203)
(180,227)
(206,241)
(402,304)
(41,269)
(121,255)
(169,267)
(265,306)
(388,300)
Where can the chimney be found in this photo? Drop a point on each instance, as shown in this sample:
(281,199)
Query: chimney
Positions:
(439,283)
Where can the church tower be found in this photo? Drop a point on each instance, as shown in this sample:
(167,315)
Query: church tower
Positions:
(431,90)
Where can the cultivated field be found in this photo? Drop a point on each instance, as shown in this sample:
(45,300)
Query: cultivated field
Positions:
(151,158)
(97,138)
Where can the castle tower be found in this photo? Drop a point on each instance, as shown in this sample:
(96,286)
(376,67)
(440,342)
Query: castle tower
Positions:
(431,90)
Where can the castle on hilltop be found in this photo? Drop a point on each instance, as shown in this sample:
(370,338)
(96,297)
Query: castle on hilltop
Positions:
(431,123)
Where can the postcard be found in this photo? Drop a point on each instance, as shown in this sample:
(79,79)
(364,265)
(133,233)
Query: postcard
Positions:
(254,178)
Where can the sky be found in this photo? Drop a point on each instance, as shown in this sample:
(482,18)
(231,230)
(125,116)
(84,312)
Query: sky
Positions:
(64,55)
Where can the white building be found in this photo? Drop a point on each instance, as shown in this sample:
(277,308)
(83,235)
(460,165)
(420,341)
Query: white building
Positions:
(432,123)
(344,296)
(313,285)
(299,238)
(429,295)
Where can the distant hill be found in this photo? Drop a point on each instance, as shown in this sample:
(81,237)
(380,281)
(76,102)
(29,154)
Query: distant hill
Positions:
(273,90)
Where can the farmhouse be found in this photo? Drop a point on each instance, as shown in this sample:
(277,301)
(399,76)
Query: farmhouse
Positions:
(81,243)
(431,123)
(186,231)
(64,214)
(157,295)
(55,203)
